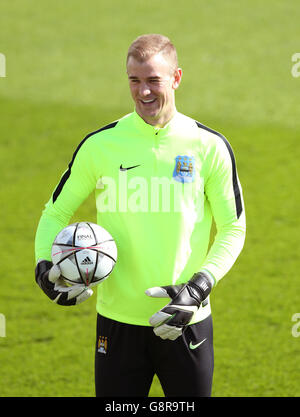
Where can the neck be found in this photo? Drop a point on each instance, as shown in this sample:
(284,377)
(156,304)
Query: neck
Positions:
(158,121)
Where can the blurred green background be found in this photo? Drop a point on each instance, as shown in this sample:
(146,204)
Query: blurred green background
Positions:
(65,77)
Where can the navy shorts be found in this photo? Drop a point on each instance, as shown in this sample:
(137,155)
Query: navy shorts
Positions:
(128,356)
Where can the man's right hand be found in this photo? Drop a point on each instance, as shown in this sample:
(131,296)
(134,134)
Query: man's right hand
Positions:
(48,278)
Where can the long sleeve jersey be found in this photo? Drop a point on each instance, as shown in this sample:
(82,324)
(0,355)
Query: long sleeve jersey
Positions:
(156,192)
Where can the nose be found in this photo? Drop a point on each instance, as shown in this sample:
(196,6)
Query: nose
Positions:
(144,90)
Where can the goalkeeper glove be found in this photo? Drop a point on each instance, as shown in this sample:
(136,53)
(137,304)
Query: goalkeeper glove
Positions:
(48,278)
(170,321)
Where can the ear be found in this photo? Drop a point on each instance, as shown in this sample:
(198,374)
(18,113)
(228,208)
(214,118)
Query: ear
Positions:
(177,78)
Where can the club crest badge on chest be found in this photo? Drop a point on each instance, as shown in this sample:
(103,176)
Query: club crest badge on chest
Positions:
(184,170)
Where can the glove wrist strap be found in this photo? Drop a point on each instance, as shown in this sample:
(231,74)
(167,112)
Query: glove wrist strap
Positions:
(202,284)
(41,268)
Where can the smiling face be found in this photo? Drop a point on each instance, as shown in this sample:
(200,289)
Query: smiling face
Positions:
(152,85)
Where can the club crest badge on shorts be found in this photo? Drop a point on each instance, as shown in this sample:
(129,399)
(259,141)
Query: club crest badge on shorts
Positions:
(184,170)
(102,344)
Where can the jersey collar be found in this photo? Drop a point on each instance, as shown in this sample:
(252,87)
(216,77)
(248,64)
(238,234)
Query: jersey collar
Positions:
(140,124)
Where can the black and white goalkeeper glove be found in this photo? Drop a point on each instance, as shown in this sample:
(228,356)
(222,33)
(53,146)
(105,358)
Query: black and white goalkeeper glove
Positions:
(170,321)
(48,278)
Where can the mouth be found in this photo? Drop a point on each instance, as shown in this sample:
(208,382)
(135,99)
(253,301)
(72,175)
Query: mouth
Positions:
(148,102)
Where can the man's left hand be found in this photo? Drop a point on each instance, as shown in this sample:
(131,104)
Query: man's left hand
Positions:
(170,321)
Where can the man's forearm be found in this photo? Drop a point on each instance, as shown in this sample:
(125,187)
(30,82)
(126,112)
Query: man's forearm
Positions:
(55,217)
(228,243)
(47,230)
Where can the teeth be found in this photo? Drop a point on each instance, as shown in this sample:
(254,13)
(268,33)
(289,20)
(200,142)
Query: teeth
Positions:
(148,101)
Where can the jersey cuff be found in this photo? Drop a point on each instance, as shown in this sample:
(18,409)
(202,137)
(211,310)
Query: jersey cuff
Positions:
(210,277)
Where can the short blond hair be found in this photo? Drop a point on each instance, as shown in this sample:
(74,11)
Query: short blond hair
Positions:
(145,46)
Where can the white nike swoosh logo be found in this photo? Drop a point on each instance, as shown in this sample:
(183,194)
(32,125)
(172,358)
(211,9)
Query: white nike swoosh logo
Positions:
(198,344)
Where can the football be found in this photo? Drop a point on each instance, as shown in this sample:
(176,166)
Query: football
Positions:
(85,252)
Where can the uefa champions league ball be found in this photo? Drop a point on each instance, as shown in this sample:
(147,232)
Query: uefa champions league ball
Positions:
(85,253)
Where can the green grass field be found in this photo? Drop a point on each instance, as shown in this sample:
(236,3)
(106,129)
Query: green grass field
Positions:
(65,77)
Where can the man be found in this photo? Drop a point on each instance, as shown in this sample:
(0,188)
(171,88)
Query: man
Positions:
(159,177)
